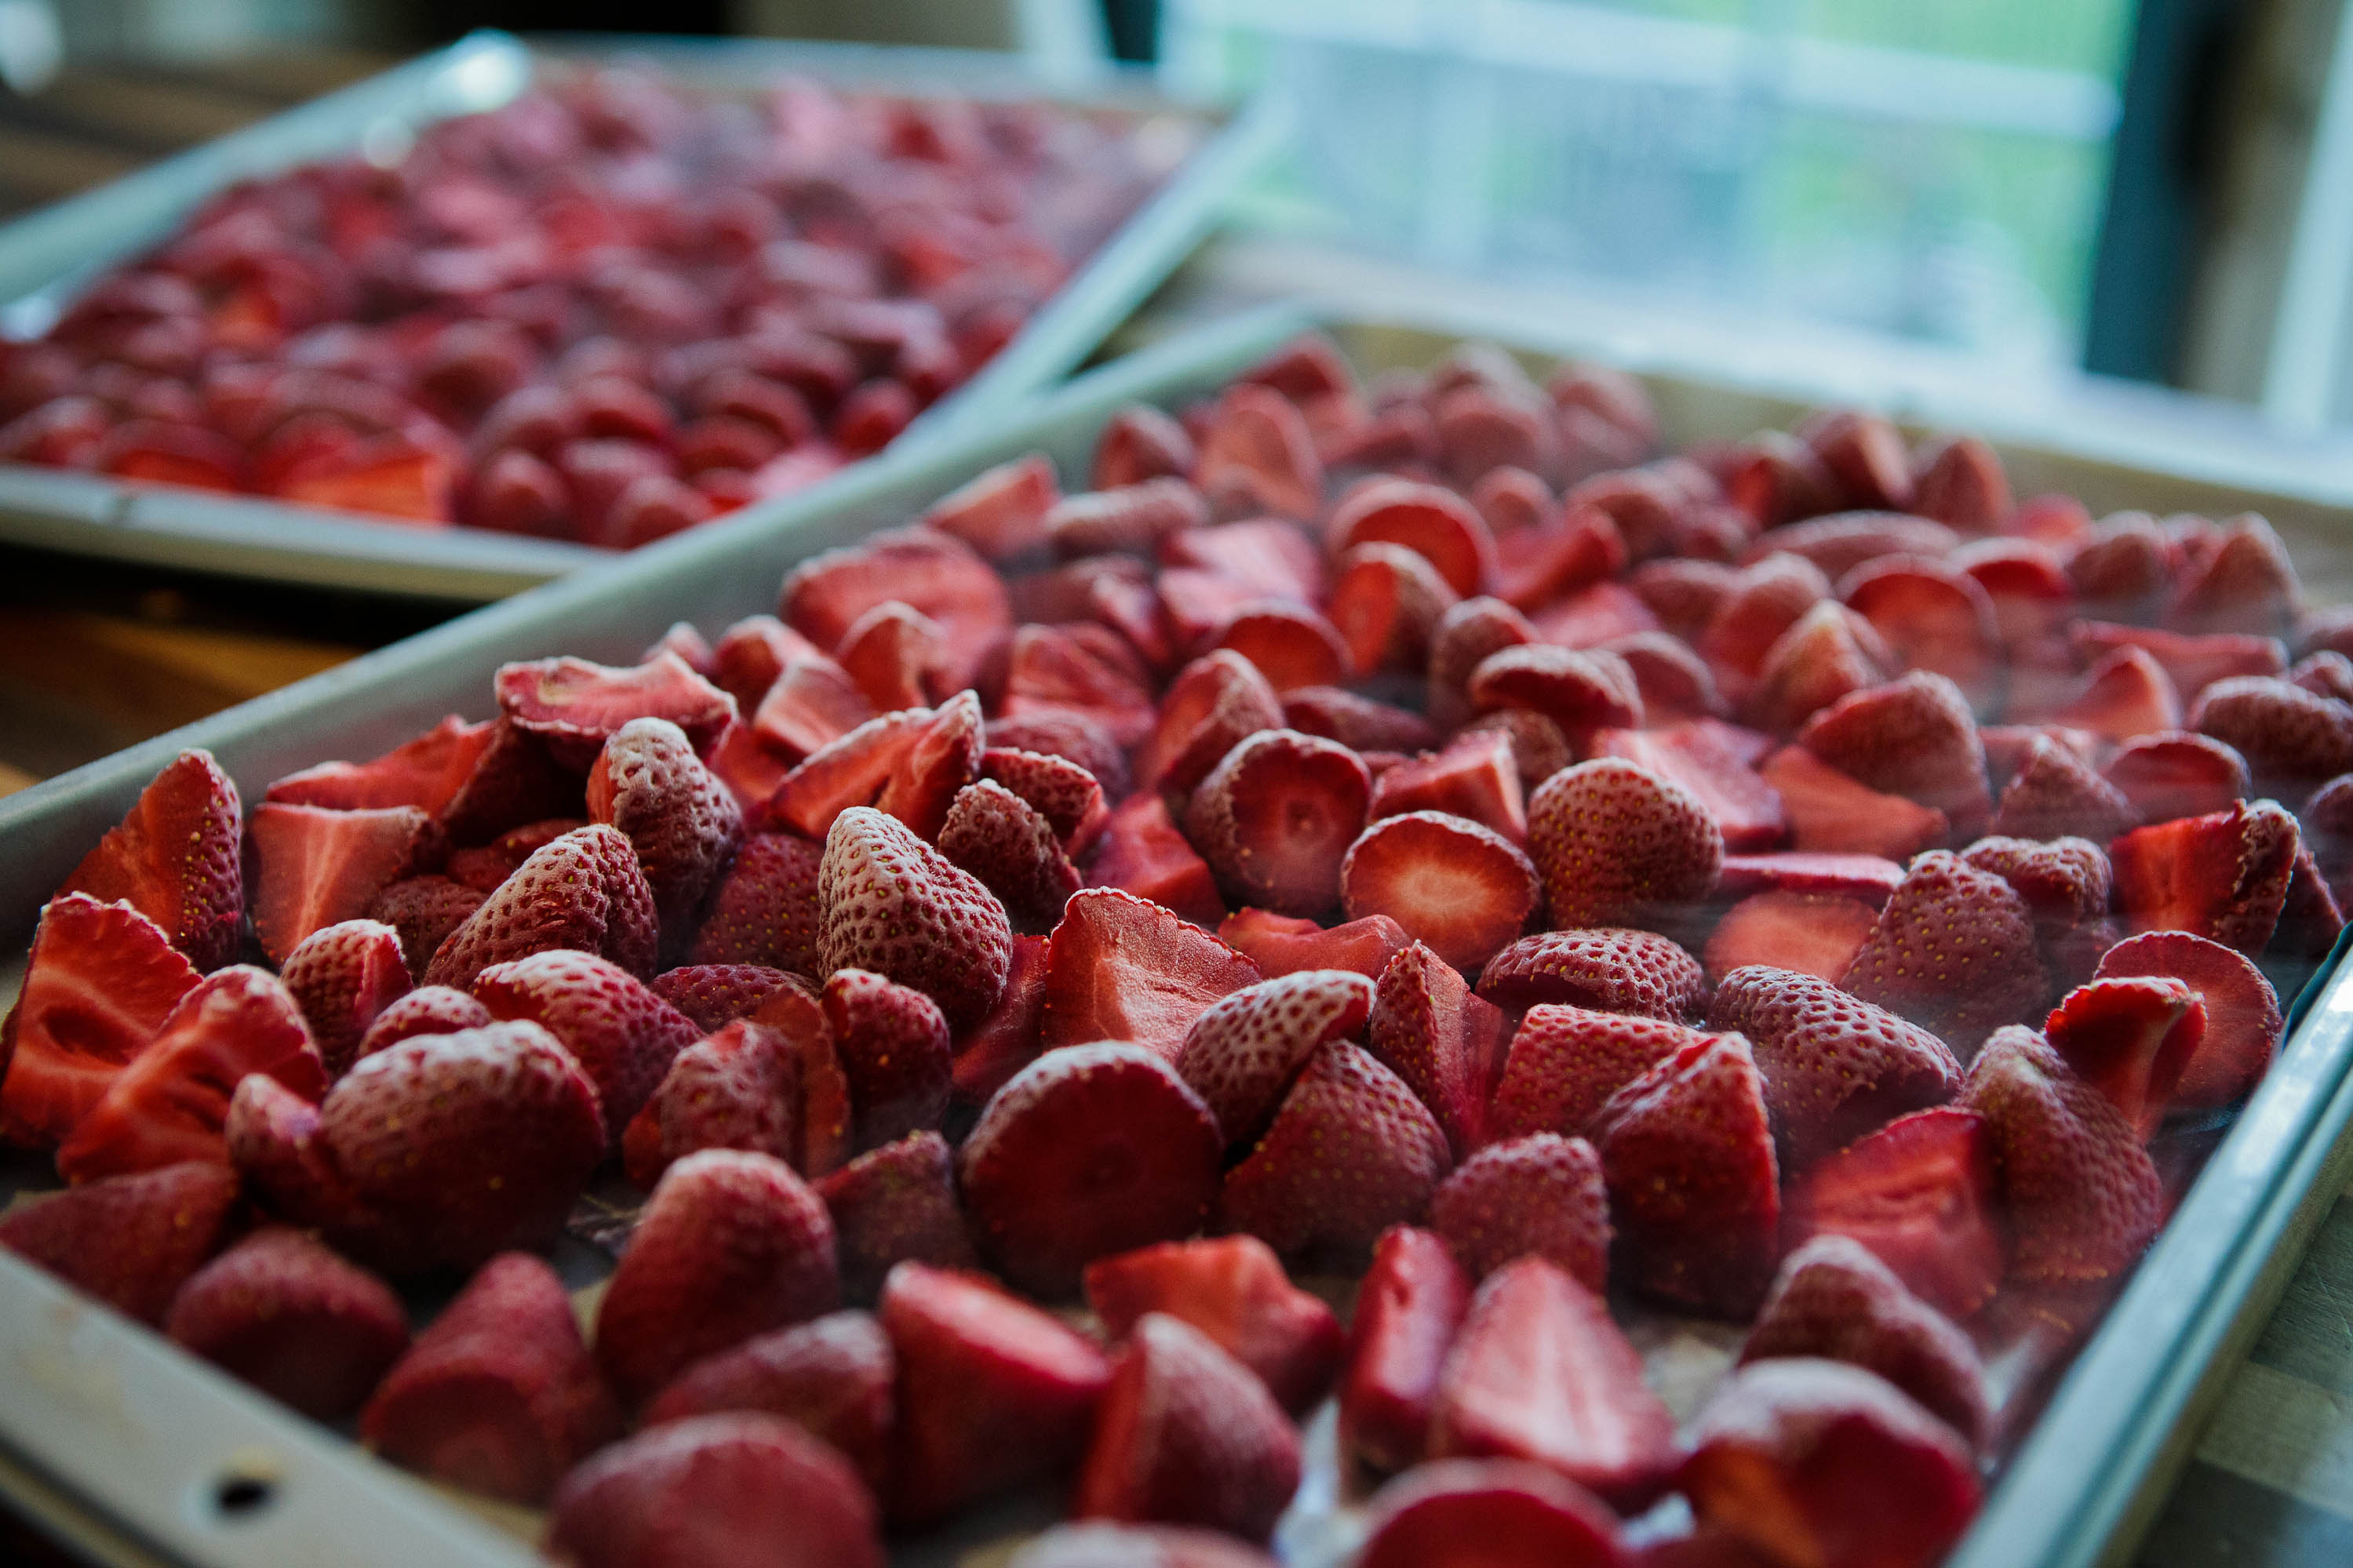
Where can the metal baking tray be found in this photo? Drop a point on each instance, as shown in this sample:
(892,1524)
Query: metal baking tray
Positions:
(48,256)
(136,1452)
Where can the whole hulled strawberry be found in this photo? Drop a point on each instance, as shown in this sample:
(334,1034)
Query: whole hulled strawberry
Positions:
(440,1149)
(583,892)
(892,904)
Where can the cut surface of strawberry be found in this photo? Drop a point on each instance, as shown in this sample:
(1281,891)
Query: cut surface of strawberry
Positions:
(2223,876)
(1833,813)
(1921,1195)
(2242,1013)
(1448,1043)
(98,983)
(575,706)
(1233,1290)
(425,773)
(1410,1307)
(2130,1037)
(1816,933)
(1489,1513)
(174,859)
(1282,944)
(1451,883)
(1122,968)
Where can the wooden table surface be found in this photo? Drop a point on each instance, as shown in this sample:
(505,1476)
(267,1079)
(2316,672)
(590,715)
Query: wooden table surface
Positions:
(94,656)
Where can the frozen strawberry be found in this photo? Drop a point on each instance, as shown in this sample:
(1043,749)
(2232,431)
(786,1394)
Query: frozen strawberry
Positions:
(1350,1152)
(2128,694)
(1912,737)
(439,1149)
(1537,1195)
(683,824)
(1275,818)
(764,907)
(1001,512)
(852,770)
(2130,1037)
(1013,849)
(2028,584)
(2247,587)
(2285,732)
(1244,1052)
(686,641)
(1747,810)
(1687,1153)
(731,1243)
(1141,853)
(1757,608)
(1284,944)
(2194,662)
(944,759)
(1138,443)
(1960,482)
(1825,653)
(1458,886)
(1187,1435)
(1776,479)
(98,983)
(927,571)
(715,995)
(2325,673)
(315,868)
(288,1315)
(892,904)
(1496,1513)
(1482,426)
(497,1396)
(2055,795)
(1540,1372)
(1432,521)
(1814,933)
(1357,722)
(810,704)
(513,781)
(1084,668)
(1099,1545)
(893,1045)
(1579,690)
(1233,1291)
(174,858)
(1466,633)
(131,1241)
(1272,557)
(575,706)
(1122,968)
(1617,844)
(750,654)
(342,976)
(1444,1042)
(1933,617)
(1835,1299)
(740,1486)
(1609,969)
(1673,681)
(1815,1461)
(1867,878)
(1067,795)
(1089,1151)
(1258,449)
(1211,706)
(1386,603)
(1833,813)
(425,773)
(1131,518)
(618,1031)
(1409,1305)
(2010,747)
(832,1376)
(772,1085)
(894,1203)
(169,1103)
(427,1010)
(2082,1196)
(2223,876)
(1684,595)
(1954,952)
(583,892)
(2242,1015)
(1293,647)
(1921,1195)
(1565,1062)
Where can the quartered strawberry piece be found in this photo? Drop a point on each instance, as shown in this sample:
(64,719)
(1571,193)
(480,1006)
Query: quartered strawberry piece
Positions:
(1495,1513)
(2223,876)
(575,706)
(1071,798)
(1187,1435)
(1284,945)
(342,977)
(1814,933)
(1232,1289)
(944,760)
(1834,1067)
(852,770)
(891,903)
(174,859)
(315,868)
(1386,603)
(2054,794)
(286,1314)
(1954,952)
(1565,1063)
(811,703)
(1453,883)
(1351,1153)
(131,1241)
(513,781)
(832,1376)
(1834,1299)
(98,983)
(1832,812)
(1826,654)
(498,1394)
(1960,482)
(1539,1194)
(1275,818)
(2194,662)
(1409,1305)
(1867,878)
(2125,695)
(2242,1015)
(1210,708)
(1609,969)
(582,891)
(1921,1195)
(1912,737)
(169,1104)
(425,773)
(1619,845)
(1932,617)
(1241,1055)
(1143,853)
(1447,1044)
(1433,521)
(1540,1372)
(894,1203)
(1815,1461)
(1083,668)
(750,655)
(2130,1037)
(2082,1196)
(622,1034)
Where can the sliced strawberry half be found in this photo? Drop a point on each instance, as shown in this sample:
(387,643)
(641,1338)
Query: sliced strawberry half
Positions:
(2173,773)
(1242,1053)
(850,772)
(1282,944)
(1834,813)
(174,859)
(1448,1043)
(1498,1513)
(425,773)
(314,867)
(1747,810)
(1002,511)
(2243,1013)
(575,706)
(2223,876)
(1454,884)
(2130,1037)
(98,983)
(1618,844)
(1233,1290)
(1813,933)
(1921,1194)
(171,1104)
(811,703)
(1565,1062)
(1209,709)
(1540,1194)
(939,576)
(1867,878)
(1142,852)
(1274,820)
(1410,1307)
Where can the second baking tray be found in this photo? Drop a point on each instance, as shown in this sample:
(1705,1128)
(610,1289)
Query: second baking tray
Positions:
(48,255)
(118,1440)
